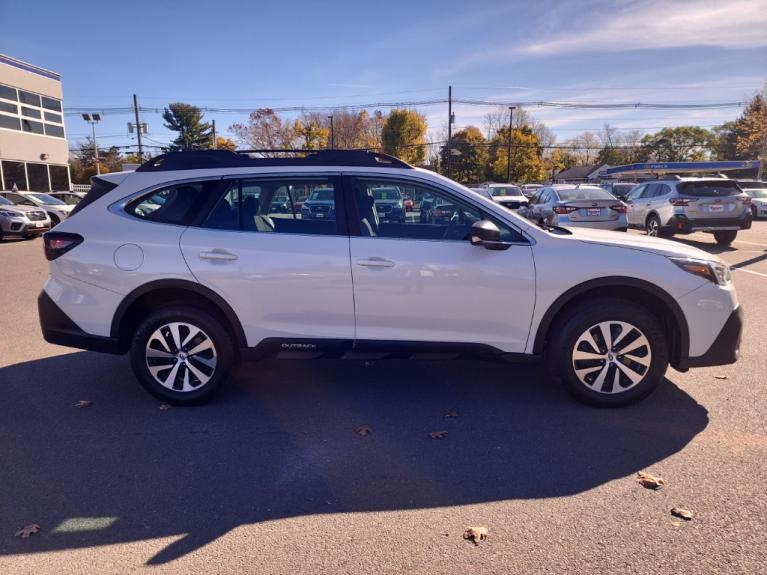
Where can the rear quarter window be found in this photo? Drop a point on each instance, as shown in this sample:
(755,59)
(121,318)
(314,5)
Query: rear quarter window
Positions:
(177,204)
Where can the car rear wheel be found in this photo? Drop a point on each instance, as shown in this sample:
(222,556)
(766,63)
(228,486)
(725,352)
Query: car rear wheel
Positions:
(609,353)
(181,355)
(55,221)
(725,238)
(754,213)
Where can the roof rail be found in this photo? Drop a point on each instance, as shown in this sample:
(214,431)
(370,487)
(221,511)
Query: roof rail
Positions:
(207,159)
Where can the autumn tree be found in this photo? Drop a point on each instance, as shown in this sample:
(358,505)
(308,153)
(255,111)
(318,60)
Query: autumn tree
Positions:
(751,130)
(193,133)
(223,143)
(468,155)
(310,134)
(357,130)
(404,135)
(585,147)
(679,144)
(526,156)
(264,130)
(82,162)
(557,161)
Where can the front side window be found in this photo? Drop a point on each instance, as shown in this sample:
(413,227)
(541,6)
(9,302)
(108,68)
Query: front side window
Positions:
(636,192)
(293,206)
(439,216)
(176,204)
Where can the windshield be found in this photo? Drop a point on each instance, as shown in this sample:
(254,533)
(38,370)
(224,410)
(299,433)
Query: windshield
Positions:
(46,199)
(387,194)
(5,202)
(757,193)
(584,194)
(506,191)
(322,195)
(710,189)
(752,184)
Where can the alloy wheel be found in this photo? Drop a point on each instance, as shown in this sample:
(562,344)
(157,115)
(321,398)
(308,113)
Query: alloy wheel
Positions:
(653,227)
(181,356)
(611,357)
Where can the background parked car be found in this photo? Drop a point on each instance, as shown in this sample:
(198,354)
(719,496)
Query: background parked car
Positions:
(55,208)
(509,196)
(70,198)
(685,205)
(24,221)
(529,190)
(320,205)
(758,192)
(619,189)
(389,203)
(579,206)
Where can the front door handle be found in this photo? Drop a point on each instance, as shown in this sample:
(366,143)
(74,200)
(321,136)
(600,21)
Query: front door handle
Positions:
(375,262)
(218,256)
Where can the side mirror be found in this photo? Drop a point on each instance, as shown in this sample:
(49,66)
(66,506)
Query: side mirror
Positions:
(486,234)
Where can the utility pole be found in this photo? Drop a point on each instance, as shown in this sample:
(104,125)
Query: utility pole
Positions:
(138,130)
(214,134)
(332,134)
(508,159)
(449,127)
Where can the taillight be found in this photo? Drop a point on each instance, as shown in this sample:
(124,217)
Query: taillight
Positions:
(620,208)
(681,202)
(56,244)
(562,210)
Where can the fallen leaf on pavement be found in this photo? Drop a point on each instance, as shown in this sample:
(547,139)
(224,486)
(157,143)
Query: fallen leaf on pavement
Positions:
(28,530)
(720,377)
(475,534)
(164,407)
(83,403)
(649,481)
(364,430)
(438,434)
(451,413)
(685,514)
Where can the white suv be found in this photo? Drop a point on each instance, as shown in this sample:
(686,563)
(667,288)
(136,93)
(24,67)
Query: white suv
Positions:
(184,264)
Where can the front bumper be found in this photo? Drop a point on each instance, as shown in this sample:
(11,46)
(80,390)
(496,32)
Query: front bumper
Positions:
(58,328)
(726,346)
(681,224)
(22,227)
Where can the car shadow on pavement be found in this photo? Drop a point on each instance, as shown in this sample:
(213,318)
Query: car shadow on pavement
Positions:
(280,441)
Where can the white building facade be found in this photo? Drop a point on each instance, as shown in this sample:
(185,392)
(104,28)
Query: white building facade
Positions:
(33,147)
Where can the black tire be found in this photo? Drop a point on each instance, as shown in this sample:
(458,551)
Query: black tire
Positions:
(654,229)
(754,213)
(222,355)
(571,328)
(55,221)
(726,237)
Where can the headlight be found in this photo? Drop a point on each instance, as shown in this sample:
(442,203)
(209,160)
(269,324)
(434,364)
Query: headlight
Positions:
(712,271)
(9,214)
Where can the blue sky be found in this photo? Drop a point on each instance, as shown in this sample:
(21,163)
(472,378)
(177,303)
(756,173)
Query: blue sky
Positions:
(270,54)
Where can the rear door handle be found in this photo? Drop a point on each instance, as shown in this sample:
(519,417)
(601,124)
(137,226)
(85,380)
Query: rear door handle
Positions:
(375,262)
(218,256)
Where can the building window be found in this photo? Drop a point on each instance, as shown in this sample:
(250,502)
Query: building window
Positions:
(50,117)
(10,108)
(10,123)
(38,177)
(29,98)
(51,104)
(8,93)
(30,112)
(30,126)
(14,174)
(53,130)
(59,178)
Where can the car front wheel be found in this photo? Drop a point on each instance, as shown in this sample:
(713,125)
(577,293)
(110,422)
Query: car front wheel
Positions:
(609,353)
(181,355)
(725,238)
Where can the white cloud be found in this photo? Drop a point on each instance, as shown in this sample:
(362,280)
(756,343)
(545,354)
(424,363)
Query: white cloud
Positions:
(654,24)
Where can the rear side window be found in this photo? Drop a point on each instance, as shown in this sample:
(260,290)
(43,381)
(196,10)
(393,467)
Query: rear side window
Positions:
(176,204)
(709,189)
(282,206)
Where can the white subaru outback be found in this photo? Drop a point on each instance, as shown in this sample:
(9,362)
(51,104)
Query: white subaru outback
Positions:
(187,264)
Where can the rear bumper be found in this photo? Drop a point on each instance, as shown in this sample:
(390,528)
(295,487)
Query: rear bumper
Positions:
(618,225)
(681,224)
(58,328)
(726,346)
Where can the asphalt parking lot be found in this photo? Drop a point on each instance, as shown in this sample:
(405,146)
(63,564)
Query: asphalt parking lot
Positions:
(272,478)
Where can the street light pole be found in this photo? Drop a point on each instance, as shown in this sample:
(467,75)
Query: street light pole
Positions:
(332,134)
(508,159)
(93,119)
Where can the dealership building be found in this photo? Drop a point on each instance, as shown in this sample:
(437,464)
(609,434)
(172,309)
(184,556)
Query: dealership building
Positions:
(33,146)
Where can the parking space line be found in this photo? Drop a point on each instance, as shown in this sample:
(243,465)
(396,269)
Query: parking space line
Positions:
(750,272)
(750,243)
